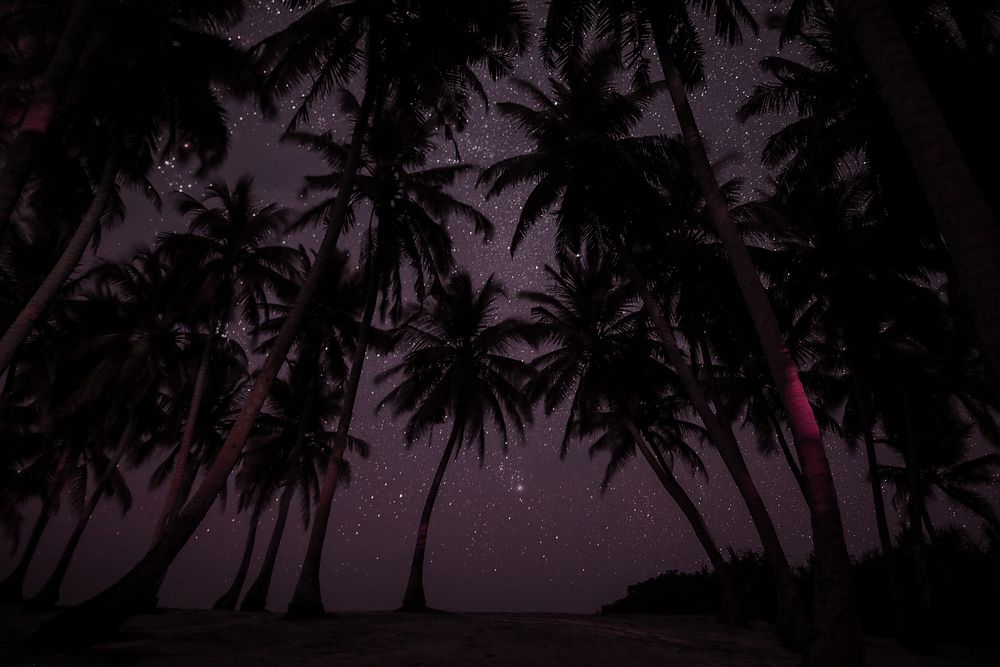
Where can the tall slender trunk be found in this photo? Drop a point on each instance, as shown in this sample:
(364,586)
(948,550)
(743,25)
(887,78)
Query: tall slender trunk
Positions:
(791,624)
(839,638)
(779,434)
(22,326)
(174,500)
(732,610)
(48,595)
(12,588)
(920,637)
(307,601)
(256,597)
(27,143)
(413,598)
(103,614)
(966,221)
(229,599)
(881,520)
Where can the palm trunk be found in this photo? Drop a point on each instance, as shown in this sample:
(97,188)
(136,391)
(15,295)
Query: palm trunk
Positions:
(965,219)
(27,143)
(732,610)
(839,640)
(779,434)
(12,588)
(103,614)
(229,599)
(65,265)
(413,598)
(307,601)
(48,595)
(174,499)
(921,631)
(256,597)
(791,624)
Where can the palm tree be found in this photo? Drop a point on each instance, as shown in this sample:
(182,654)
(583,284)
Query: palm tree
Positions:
(583,150)
(410,212)
(140,101)
(965,220)
(671,31)
(41,110)
(597,338)
(459,370)
(452,37)
(228,265)
(287,454)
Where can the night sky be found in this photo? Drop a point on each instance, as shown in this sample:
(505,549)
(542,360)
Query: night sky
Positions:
(525,531)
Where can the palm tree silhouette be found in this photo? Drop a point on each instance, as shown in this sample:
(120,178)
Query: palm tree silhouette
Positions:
(966,222)
(597,338)
(668,29)
(135,103)
(583,149)
(228,265)
(458,369)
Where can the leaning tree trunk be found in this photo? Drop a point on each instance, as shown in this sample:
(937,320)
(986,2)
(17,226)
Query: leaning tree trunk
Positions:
(791,624)
(65,265)
(256,597)
(27,143)
(839,639)
(229,599)
(174,498)
(307,601)
(413,598)
(48,595)
(779,435)
(967,224)
(732,610)
(920,635)
(12,588)
(103,614)
(881,520)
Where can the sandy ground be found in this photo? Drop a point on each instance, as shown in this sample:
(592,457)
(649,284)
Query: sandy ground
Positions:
(212,638)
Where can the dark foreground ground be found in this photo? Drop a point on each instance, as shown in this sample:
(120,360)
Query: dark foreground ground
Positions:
(385,638)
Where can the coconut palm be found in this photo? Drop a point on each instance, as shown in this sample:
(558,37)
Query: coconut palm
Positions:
(452,38)
(229,262)
(583,149)
(409,229)
(963,214)
(668,29)
(139,101)
(597,338)
(458,369)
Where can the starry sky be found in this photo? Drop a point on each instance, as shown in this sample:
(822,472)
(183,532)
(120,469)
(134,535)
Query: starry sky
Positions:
(525,531)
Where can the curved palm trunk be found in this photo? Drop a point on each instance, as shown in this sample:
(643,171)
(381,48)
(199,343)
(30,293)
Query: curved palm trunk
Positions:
(307,601)
(174,498)
(413,598)
(229,599)
(779,434)
(839,639)
(27,144)
(920,635)
(19,330)
(256,597)
(881,521)
(12,588)
(966,221)
(732,610)
(48,595)
(791,624)
(103,614)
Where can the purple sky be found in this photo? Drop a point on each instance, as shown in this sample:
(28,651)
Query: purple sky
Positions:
(525,531)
